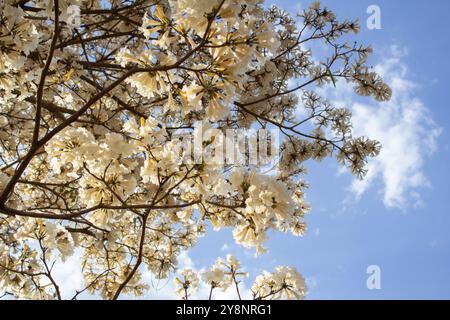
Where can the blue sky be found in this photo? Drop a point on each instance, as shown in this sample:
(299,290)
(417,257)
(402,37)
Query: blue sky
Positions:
(400,220)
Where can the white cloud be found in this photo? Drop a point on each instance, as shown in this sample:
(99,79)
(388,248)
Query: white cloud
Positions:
(69,277)
(405,129)
(312,282)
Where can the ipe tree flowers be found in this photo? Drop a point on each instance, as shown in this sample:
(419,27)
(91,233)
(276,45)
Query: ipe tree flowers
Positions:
(92,96)
(284,282)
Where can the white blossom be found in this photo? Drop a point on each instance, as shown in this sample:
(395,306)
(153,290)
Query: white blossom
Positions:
(95,102)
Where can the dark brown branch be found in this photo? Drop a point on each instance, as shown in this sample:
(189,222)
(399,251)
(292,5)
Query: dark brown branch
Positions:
(40,90)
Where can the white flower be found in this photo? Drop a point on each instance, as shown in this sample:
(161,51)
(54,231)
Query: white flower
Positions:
(3,180)
(115,146)
(186,284)
(216,277)
(284,282)
(73,146)
(64,242)
(71,15)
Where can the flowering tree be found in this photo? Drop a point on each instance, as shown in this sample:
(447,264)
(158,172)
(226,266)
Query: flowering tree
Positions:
(93,94)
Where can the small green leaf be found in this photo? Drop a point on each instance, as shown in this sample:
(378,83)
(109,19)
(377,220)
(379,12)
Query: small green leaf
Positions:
(331,76)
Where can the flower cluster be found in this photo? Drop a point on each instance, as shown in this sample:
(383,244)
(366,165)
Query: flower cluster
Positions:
(187,283)
(93,95)
(284,282)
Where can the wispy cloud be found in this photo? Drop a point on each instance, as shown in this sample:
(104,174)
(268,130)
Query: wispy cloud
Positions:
(225,247)
(404,127)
